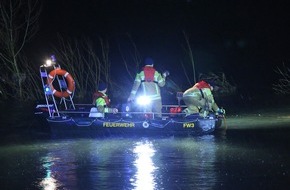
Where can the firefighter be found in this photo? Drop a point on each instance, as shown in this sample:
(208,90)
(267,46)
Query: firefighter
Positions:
(150,81)
(199,99)
(102,101)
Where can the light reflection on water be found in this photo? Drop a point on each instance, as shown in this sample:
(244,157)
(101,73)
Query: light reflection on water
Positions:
(145,166)
(110,164)
(130,164)
(140,163)
(48,182)
(253,155)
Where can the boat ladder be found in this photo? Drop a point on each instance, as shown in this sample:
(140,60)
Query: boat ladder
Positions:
(44,70)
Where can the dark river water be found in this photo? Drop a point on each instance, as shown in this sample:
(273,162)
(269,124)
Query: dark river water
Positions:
(252,153)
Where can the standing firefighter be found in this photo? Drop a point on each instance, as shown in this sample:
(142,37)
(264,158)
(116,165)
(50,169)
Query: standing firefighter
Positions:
(151,81)
(199,99)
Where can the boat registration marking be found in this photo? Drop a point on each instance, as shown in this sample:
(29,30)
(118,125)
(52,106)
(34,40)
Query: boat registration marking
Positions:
(188,125)
(113,124)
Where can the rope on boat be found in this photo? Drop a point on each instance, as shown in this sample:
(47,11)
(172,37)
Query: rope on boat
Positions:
(83,125)
(186,121)
(60,121)
(161,126)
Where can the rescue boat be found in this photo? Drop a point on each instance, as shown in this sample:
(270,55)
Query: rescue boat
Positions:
(78,122)
(83,119)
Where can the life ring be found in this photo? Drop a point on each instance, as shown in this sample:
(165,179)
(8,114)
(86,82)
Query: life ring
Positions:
(69,80)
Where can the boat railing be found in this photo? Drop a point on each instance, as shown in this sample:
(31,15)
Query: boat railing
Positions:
(84,109)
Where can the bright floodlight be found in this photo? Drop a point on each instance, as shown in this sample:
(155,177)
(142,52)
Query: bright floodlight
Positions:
(48,63)
(143,100)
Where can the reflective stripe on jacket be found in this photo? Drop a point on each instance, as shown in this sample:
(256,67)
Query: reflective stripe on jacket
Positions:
(150,89)
(99,95)
(102,102)
(201,93)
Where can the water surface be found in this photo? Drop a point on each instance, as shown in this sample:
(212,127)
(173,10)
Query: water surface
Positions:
(251,153)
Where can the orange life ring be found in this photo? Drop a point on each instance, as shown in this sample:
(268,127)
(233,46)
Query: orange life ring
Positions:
(69,80)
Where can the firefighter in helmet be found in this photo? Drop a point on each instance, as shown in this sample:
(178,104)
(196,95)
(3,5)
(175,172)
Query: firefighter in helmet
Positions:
(102,101)
(199,99)
(150,81)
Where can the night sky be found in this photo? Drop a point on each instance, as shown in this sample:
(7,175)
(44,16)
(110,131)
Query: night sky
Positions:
(246,39)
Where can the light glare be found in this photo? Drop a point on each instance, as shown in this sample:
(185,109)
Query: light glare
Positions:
(143,100)
(48,63)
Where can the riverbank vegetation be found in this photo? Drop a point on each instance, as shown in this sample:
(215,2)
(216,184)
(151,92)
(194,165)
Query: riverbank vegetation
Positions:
(19,24)
(282,85)
(89,61)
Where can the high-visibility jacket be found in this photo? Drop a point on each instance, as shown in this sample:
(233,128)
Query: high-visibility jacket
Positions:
(150,81)
(201,92)
(103,102)
(101,99)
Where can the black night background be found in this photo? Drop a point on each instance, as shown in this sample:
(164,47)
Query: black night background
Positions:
(246,41)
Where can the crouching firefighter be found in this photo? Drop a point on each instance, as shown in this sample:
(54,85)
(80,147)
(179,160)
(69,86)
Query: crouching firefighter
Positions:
(102,102)
(199,99)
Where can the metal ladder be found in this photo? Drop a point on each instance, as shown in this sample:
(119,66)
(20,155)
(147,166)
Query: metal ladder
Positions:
(48,93)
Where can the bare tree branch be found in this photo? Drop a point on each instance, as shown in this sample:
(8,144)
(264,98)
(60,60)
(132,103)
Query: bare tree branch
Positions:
(18,24)
(283,84)
(190,54)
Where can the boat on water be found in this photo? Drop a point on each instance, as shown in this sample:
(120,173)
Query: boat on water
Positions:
(78,122)
(67,118)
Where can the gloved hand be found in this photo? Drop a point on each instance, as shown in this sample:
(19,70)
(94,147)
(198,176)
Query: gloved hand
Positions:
(130,99)
(221,111)
(165,74)
(115,110)
(186,112)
